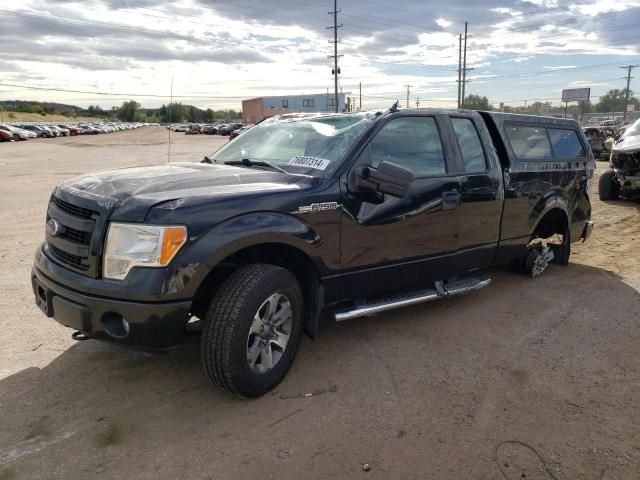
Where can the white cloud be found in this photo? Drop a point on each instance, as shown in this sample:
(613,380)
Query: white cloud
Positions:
(224,49)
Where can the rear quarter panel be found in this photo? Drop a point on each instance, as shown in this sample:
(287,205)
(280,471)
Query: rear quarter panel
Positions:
(532,188)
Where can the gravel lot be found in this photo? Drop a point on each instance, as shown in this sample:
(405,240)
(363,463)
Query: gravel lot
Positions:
(536,379)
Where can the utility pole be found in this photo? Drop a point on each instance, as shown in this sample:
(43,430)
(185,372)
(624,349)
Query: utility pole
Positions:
(418,102)
(360,96)
(170,123)
(335,55)
(626,97)
(464,64)
(408,92)
(459,68)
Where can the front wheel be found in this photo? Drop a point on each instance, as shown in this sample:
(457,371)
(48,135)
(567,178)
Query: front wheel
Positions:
(252,329)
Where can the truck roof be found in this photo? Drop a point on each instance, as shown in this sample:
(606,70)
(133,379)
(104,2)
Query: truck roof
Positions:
(500,118)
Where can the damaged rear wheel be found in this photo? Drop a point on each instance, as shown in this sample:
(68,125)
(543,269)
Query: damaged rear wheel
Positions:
(543,252)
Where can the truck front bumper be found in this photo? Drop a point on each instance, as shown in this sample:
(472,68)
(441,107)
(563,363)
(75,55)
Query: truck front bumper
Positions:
(146,325)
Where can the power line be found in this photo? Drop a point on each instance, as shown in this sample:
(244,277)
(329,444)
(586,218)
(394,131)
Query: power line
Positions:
(119,94)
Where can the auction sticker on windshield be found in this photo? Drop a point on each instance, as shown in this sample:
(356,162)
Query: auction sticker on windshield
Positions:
(309,162)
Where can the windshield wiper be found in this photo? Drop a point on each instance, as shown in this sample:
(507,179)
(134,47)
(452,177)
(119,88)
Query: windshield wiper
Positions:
(247,162)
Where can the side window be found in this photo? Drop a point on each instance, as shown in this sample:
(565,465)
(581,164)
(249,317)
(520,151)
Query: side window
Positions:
(410,142)
(470,145)
(529,143)
(565,143)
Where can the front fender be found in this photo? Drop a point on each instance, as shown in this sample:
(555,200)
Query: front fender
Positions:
(237,233)
(258,228)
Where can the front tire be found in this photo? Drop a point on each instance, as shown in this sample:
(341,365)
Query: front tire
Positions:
(252,329)
(608,188)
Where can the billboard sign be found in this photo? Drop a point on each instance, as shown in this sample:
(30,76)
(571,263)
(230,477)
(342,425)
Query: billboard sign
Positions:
(631,107)
(576,94)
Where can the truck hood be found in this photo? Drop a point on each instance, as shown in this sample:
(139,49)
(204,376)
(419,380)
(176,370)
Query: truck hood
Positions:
(133,191)
(628,144)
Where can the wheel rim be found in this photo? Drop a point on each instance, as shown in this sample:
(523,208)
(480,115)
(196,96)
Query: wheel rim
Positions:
(542,261)
(269,333)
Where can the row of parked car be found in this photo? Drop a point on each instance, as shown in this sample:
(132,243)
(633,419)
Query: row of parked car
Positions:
(232,129)
(25,131)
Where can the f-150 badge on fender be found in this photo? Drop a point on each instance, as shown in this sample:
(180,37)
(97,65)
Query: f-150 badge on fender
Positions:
(318,207)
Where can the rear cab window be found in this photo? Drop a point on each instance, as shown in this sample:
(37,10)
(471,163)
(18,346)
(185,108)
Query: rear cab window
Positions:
(529,143)
(565,143)
(538,143)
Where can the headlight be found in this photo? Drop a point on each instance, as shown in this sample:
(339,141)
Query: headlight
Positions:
(130,245)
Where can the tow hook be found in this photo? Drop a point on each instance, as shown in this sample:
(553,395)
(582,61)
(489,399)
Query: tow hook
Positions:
(79,336)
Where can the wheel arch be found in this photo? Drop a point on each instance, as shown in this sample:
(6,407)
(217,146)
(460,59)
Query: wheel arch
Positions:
(555,220)
(551,214)
(275,252)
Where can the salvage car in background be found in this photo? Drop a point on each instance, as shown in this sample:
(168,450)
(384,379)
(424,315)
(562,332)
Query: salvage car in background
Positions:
(229,128)
(600,139)
(239,131)
(6,136)
(623,178)
(18,133)
(38,130)
(73,131)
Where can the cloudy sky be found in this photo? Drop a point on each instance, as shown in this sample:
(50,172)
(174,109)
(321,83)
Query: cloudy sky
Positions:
(219,52)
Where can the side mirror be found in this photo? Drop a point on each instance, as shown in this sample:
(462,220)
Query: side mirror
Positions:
(388,178)
(207,159)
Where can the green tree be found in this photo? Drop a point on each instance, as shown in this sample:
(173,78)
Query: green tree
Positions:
(127,112)
(194,114)
(614,101)
(96,111)
(476,102)
(175,112)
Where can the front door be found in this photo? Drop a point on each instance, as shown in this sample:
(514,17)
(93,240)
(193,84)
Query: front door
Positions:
(390,243)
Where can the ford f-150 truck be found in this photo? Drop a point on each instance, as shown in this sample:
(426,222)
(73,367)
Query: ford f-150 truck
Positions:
(351,214)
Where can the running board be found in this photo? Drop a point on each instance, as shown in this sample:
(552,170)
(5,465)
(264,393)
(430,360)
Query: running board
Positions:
(404,300)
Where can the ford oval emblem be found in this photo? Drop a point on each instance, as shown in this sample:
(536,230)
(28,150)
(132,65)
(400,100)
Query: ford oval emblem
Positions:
(53,227)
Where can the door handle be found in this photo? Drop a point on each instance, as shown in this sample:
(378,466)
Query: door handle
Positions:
(450,200)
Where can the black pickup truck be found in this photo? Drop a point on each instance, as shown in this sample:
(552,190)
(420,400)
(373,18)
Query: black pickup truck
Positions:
(351,214)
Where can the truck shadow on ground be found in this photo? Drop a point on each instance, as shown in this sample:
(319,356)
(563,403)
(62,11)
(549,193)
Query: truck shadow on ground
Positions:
(105,400)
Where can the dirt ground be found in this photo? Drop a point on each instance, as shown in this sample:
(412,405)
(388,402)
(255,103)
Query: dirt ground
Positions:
(535,379)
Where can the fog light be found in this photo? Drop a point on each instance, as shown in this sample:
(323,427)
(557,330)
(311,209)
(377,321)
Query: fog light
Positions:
(115,325)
